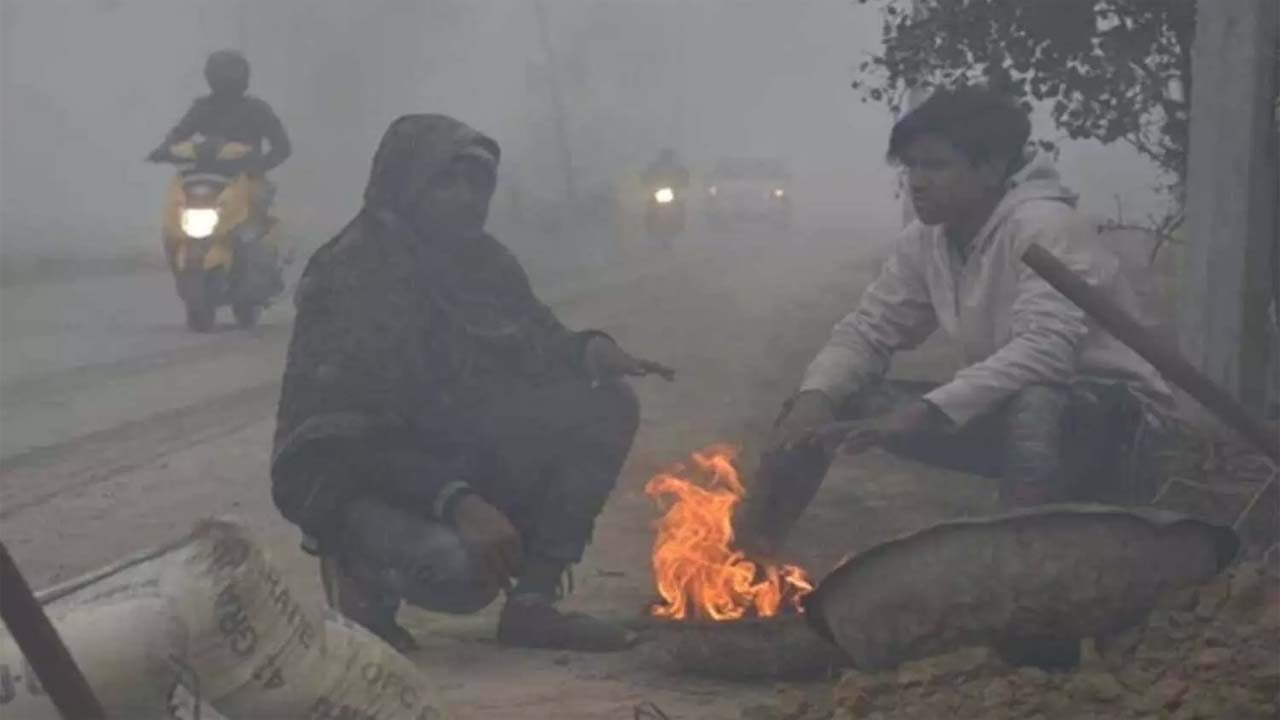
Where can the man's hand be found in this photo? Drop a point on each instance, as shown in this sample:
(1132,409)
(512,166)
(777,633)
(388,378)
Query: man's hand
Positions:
(916,416)
(809,410)
(490,537)
(790,471)
(604,359)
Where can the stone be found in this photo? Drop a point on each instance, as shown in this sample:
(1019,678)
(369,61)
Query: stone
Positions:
(1119,647)
(1156,646)
(1138,675)
(1259,526)
(792,703)
(1034,677)
(856,701)
(1212,659)
(1166,694)
(762,712)
(998,693)
(1180,600)
(1260,654)
(1055,704)
(1249,590)
(1216,637)
(1265,681)
(1138,705)
(1211,705)
(819,705)
(1212,598)
(1090,656)
(1269,614)
(953,667)
(1094,685)
(858,692)
(1183,621)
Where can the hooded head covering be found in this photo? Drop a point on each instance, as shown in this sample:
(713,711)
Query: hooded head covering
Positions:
(392,332)
(413,151)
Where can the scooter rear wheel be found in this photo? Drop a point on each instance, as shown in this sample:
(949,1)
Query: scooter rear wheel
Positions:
(200,317)
(246,314)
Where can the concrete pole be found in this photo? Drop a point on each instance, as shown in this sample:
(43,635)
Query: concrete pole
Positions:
(1228,278)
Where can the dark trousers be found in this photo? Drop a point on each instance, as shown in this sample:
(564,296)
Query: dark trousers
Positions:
(1082,441)
(547,456)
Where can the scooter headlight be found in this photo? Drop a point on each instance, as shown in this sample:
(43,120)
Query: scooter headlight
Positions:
(664,195)
(199,223)
(779,193)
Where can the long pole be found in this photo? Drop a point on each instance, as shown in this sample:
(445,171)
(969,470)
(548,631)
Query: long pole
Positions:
(40,644)
(1162,356)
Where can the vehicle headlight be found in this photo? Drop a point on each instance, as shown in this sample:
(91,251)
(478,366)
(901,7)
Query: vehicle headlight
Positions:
(779,193)
(713,191)
(664,195)
(199,223)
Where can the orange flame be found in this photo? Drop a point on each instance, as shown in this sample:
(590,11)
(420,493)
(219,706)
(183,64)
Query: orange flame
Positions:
(698,571)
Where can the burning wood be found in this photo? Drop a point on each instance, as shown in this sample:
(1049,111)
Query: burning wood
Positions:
(698,571)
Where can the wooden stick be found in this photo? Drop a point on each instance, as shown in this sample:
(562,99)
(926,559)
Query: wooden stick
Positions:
(1162,356)
(39,642)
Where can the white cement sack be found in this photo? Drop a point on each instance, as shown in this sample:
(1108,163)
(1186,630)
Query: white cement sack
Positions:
(236,642)
(125,649)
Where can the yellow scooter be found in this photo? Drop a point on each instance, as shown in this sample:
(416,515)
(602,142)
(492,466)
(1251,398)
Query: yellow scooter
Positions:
(664,217)
(218,235)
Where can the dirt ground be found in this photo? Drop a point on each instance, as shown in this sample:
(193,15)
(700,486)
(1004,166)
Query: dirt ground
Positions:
(739,318)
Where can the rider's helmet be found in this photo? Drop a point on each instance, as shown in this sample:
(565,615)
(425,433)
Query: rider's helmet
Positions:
(227,73)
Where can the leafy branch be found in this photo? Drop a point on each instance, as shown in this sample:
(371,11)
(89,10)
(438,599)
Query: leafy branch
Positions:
(1107,70)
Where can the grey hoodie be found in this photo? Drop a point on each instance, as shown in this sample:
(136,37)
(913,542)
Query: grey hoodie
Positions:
(1014,329)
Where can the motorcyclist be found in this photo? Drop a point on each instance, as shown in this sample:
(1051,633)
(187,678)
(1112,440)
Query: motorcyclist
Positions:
(228,112)
(667,171)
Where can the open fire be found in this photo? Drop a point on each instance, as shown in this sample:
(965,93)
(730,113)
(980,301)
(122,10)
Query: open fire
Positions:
(699,572)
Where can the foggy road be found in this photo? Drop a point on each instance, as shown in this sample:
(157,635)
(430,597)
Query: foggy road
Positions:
(86,354)
(92,321)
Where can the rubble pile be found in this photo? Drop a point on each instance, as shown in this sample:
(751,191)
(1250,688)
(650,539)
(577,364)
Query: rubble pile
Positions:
(1206,653)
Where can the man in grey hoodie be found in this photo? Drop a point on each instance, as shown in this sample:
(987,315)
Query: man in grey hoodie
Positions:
(1048,402)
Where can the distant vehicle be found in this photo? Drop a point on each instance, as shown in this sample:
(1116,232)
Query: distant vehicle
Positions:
(667,183)
(749,191)
(219,252)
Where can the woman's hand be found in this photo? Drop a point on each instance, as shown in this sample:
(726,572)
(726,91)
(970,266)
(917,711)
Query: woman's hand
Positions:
(605,360)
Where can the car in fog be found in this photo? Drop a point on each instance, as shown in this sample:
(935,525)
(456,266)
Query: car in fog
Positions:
(742,191)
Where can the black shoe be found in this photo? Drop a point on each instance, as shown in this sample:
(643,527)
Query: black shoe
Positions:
(355,595)
(393,634)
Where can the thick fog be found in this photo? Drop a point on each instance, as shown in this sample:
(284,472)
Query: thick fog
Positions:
(90,86)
